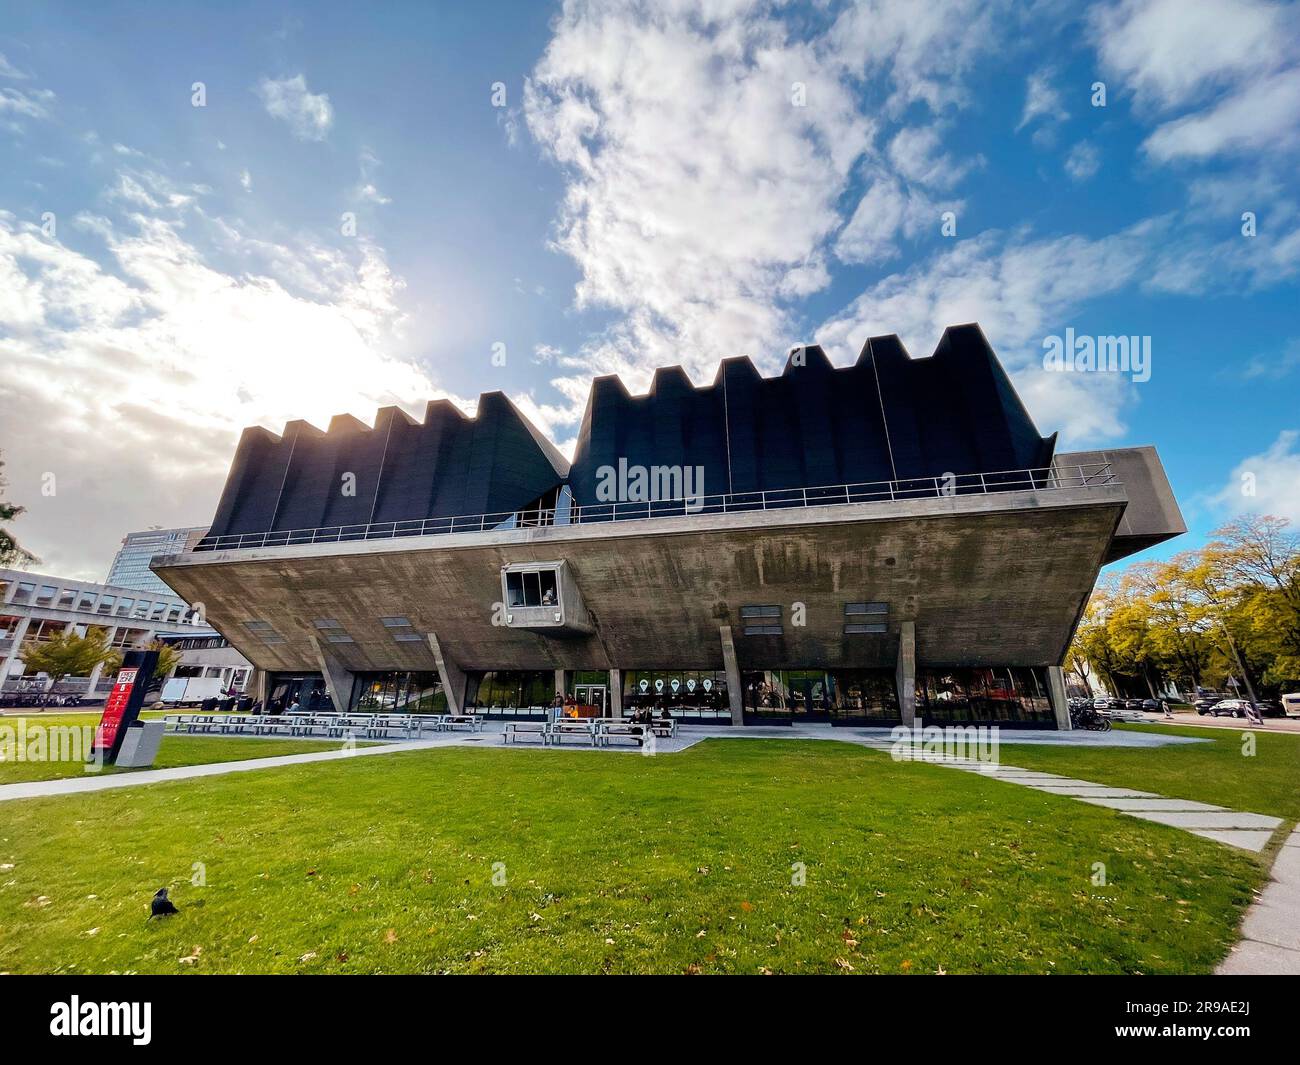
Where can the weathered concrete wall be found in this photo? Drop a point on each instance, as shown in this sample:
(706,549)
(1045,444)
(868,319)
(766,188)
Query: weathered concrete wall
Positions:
(1152,515)
(993,579)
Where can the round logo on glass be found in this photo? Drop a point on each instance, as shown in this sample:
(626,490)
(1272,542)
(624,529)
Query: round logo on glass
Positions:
(645,686)
(708,684)
(690,685)
(659,684)
(675,685)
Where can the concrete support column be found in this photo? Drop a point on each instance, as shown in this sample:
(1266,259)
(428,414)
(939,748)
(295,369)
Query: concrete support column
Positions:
(256,686)
(905,672)
(560,680)
(1056,692)
(451,675)
(12,655)
(735,697)
(338,678)
(616,692)
(94,673)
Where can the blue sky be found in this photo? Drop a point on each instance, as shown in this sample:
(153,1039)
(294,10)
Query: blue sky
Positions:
(664,183)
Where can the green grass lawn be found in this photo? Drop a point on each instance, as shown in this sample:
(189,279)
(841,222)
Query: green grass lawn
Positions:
(1267,782)
(175,750)
(610,863)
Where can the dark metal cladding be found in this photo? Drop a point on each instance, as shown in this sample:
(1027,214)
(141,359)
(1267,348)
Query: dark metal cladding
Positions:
(888,417)
(401,470)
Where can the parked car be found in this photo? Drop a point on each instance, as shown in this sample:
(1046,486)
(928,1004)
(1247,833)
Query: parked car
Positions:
(1151,706)
(1132,704)
(1228,708)
(1270,708)
(1291,703)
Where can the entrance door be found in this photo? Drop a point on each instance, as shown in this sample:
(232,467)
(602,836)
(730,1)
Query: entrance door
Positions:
(808,698)
(593,695)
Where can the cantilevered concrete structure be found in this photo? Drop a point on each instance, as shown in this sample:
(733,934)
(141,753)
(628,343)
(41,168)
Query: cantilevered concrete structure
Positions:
(861,546)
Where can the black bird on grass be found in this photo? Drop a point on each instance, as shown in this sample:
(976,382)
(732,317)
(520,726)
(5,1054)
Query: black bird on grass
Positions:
(162,905)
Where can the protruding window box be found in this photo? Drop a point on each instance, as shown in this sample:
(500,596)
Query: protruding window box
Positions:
(543,597)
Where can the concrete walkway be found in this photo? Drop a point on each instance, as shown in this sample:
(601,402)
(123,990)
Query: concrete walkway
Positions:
(1245,830)
(1270,933)
(39,789)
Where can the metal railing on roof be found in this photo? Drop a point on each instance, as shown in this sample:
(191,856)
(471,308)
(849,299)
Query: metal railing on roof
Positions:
(1045,479)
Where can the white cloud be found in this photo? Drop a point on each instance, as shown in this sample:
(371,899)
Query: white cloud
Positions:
(246,179)
(309,115)
(8,70)
(1169,51)
(142,364)
(34,103)
(366,190)
(917,154)
(1041,100)
(885,212)
(1083,161)
(702,198)
(1019,290)
(1267,483)
(1232,65)
(1264,115)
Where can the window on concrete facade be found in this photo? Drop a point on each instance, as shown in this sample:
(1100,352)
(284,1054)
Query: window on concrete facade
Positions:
(675,689)
(399,691)
(985,694)
(532,588)
(862,618)
(816,694)
(761,620)
(511,688)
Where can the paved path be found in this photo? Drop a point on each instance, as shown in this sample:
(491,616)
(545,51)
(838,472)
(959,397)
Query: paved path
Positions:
(1246,830)
(1270,933)
(36,789)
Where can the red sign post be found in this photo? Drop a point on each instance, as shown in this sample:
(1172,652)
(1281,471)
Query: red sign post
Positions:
(122,706)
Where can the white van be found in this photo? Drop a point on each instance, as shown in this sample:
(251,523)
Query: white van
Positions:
(1291,704)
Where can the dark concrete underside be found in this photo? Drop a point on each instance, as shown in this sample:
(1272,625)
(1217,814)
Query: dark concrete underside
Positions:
(1004,587)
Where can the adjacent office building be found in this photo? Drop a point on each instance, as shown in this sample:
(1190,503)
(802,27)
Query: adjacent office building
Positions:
(861,546)
(36,606)
(130,568)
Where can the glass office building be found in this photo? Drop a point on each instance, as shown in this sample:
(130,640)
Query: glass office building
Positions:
(130,568)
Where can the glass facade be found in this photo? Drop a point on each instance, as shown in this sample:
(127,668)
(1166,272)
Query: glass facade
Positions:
(511,688)
(399,691)
(991,695)
(674,689)
(130,568)
(306,689)
(859,696)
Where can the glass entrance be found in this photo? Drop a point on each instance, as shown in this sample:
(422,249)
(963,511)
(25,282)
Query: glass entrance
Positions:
(596,695)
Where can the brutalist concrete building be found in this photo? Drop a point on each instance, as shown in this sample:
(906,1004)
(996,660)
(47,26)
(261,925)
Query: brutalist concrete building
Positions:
(861,546)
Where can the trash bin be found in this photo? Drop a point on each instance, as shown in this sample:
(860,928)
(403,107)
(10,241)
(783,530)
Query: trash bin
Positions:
(140,744)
